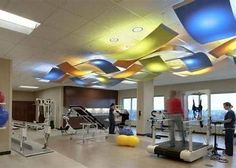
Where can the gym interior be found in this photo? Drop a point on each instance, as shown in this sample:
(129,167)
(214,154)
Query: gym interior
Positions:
(85,83)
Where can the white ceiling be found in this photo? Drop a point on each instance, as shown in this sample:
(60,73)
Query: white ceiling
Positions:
(71,28)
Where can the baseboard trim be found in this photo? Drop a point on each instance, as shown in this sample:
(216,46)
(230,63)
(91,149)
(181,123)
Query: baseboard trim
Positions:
(5,153)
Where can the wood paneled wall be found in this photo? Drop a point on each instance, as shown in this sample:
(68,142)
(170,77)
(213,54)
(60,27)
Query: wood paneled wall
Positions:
(23,111)
(88,97)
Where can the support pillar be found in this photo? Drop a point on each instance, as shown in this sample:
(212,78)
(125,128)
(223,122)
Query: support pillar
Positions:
(6,88)
(145,94)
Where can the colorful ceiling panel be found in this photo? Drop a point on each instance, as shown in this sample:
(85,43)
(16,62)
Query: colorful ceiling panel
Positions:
(78,81)
(207,20)
(194,73)
(224,49)
(197,61)
(62,79)
(154,64)
(124,63)
(128,72)
(113,82)
(160,36)
(232,54)
(104,65)
(176,64)
(54,74)
(142,76)
(68,68)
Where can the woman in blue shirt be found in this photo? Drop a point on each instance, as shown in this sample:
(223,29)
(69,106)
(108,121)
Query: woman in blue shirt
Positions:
(229,121)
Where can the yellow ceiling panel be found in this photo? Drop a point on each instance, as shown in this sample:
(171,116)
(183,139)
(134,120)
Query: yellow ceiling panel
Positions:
(194,73)
(68,68)
(160,36)
(128,72)
(225,48)
(154,64)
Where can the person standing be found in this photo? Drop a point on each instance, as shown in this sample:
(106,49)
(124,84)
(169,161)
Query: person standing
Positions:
(229,121)
(112,122)
(175,113)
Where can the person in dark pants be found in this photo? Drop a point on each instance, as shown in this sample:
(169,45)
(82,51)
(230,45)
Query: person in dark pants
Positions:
(175,114)
(112,122)
(229,121)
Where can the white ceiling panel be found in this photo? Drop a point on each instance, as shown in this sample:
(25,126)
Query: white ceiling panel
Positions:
(65,20)
(91,31)
(11,36)
(35,10)
(116,17)
(89,9)
(49,33)
(145,7)
(5,47)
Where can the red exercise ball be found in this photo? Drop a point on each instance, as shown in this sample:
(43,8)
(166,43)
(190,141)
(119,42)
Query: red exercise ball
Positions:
(2,98)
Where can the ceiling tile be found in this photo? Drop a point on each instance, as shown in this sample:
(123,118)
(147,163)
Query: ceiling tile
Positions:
(91,31)
(3,3)
(62,19)
(36,42)
(89,9)
(143,8)
(5,47)
(49,33)
(116,17)
(35,10)
(11,36)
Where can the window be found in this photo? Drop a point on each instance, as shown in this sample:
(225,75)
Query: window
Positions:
(158,103)
(196,100)
(130,104)
(217,100)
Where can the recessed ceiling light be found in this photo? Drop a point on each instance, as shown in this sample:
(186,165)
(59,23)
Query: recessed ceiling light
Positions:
(29,87)
(137,29)
(17,23)
(114,39)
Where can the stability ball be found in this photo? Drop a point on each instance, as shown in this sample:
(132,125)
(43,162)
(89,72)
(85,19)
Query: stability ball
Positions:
(3,116)
(2,98)
(122,140)
(133,141)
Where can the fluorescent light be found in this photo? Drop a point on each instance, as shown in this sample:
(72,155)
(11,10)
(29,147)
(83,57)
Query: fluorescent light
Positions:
(43,80)
(128,82)
(29,87)
(17,23)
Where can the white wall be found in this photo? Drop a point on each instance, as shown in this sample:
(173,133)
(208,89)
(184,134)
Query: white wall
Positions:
(6,88)
(56,94)
(23,96)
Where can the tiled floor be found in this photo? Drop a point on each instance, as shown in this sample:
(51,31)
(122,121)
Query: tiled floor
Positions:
(103,154)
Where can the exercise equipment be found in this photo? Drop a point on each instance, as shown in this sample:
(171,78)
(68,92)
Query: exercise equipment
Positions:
(67,129)
(45,107)
(215,147)
(156,117)
(22,145)
(124,140)
(3,116)
(188,151)
(92,129)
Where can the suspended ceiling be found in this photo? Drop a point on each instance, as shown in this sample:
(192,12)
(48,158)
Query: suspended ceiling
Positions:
(80,30)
